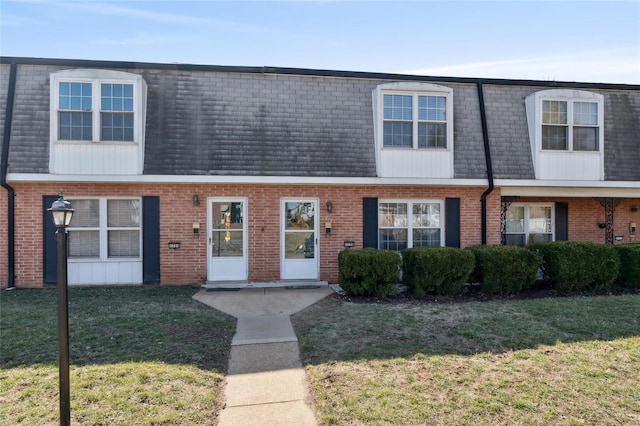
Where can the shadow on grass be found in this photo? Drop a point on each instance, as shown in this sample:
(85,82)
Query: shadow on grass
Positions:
(110,325)
(338,330)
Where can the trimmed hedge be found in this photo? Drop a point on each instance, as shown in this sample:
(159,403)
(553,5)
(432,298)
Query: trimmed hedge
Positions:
(505,269)
(368,272)
(629,255)
(442,270)
(575,266)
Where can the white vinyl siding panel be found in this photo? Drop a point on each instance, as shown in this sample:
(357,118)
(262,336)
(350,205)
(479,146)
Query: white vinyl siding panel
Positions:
(105,273)
(416,163)
(101,159)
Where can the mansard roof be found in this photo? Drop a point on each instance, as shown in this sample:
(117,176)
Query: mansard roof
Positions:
(268,121)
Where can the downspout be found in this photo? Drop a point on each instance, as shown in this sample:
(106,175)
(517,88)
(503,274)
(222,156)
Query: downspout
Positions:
(4,165)
(487,157)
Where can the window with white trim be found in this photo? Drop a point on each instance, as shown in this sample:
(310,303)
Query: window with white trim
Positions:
(406,224)
(97,106)
(414,120)
(105,228)
(527,224)
(570,125)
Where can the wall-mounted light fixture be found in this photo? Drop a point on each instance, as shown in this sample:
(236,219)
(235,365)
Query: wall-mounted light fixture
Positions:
(329,206)
(602,225)
(634,209)
(196,200)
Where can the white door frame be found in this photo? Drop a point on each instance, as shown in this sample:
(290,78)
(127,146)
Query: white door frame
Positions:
(303,269)
(227,268)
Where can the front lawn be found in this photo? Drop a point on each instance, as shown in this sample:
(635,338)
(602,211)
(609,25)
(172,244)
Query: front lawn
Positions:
(550,361)
(138,355)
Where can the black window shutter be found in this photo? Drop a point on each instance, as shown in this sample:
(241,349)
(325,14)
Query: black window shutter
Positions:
(562,221)
(370,222)
(452,222)
(49,242)
(151,240)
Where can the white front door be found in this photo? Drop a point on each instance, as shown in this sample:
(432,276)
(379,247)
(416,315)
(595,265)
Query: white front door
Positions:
(299,239)
(227,239)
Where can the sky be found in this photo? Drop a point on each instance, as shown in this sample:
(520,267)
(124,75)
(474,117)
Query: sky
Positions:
(584,41)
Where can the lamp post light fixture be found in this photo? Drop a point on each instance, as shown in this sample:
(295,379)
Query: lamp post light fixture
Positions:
(61,211)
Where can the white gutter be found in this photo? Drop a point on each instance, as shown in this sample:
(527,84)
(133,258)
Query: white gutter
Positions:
(219,179)
(531,188)
(507,187)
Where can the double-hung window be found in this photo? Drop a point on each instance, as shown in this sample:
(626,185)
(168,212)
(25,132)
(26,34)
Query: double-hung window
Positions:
(77,101)
(75,111)
(116,112)
(405,224)
(414,120)
(570,125)
(97,106)
(105,228)
(526,224)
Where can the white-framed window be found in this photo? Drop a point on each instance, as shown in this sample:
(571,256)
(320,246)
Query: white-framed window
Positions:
(569,125)
(97,106)
(405,224)
(105,228)
(414,120)
(529,223)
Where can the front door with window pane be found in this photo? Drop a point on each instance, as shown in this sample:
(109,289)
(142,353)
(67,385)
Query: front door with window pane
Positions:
(299,240)
(227,239)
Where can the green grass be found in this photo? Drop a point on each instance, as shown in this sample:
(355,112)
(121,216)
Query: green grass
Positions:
(552,361)
(138,355)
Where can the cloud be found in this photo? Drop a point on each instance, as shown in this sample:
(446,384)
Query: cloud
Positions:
(18,21)
(143,40)
(612,66)
(102,8)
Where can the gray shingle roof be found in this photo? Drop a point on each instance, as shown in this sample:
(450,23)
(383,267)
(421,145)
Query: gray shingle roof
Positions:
(222,121)
(622,136)
(253,124)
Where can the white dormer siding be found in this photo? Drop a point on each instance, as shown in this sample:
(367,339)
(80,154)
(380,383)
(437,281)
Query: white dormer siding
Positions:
(566,131)
(413,130)
(97,122)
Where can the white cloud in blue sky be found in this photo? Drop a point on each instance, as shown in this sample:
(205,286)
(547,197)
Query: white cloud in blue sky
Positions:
(586,41)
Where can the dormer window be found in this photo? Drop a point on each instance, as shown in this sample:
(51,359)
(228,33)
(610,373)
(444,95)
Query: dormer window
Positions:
(413,128)
(97,122)
(566,131)
(570,126)
(97,106)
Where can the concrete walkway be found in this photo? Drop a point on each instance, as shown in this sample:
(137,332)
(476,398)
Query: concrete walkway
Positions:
(266,384)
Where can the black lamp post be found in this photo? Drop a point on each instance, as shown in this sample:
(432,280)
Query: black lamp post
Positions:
(61,211)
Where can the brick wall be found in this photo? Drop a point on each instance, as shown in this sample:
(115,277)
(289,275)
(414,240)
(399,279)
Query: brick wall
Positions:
(4,264)
(586,213)
(188,265)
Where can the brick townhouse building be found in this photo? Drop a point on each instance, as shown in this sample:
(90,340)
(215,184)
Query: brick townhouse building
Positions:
(187,174)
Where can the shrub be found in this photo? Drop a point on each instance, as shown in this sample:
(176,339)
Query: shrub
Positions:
(574,266)
(629,255)
(442,270)
(368,272)
(505,269)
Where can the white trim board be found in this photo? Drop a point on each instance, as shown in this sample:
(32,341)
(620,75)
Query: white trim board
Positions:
(227,179)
